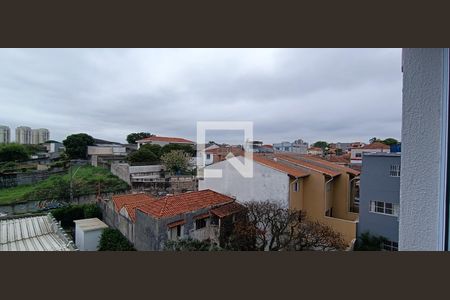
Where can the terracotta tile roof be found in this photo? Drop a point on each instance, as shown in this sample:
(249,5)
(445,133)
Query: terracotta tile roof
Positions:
(279,165)
(176,223)
(376,145)
(187,202)
(202,216)
(227,209)
(345,159)
(312,165)
(121,200)
(332,165)
(131,209)
(166,139)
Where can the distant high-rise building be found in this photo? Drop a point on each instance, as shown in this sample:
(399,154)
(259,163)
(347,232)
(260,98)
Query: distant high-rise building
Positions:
(39,136)
(5,134)
(23,135)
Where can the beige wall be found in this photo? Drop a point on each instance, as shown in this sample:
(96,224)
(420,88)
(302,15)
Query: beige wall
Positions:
(311,199)
(296,198)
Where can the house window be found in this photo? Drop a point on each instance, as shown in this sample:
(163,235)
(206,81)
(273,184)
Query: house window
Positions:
(358,154)
(394,171)
(390,246)
(208,156)
(176,232)
(200,223)
(384,208)
(296,186)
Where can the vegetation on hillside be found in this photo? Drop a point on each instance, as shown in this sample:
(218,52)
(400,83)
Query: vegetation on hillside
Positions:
(87,180)
(153,154)
(113,240)
(13,153)
(76,145)
(70,213)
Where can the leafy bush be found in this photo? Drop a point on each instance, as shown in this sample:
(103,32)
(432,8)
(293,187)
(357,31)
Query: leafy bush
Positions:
(75,212)
(190,244)
(143,156)
(13,152)
(176,161)
(369,242)
(113,240)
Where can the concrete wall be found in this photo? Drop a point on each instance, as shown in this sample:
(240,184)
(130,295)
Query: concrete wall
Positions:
(122,171)
(420,209)
(39,205)
(377,185)
(266,184)
(17,179)
(151,234)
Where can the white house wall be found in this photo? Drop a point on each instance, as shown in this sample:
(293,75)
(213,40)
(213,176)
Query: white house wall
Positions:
(266,184)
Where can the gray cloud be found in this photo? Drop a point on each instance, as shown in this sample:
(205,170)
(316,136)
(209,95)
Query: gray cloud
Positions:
(331,94)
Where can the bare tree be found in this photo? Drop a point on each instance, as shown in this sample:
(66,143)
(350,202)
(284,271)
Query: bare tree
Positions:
(271,227)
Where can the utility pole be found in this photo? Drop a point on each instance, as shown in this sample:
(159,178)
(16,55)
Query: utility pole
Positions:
(72,174)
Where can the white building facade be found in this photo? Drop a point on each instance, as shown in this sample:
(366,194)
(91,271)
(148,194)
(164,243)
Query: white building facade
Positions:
(5,135)
(266,184)
(23,135)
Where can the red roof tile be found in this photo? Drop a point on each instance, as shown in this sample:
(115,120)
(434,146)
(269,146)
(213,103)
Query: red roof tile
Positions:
(121,200)
(280,166)
(376,145)
(227,209)
(309,164)
(187,202)
(166,139)
(329,164)
(176,223)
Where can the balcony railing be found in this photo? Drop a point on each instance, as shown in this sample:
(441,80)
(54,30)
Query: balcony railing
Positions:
(210,232)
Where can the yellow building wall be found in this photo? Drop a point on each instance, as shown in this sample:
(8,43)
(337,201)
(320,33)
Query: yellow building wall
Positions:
(311,199)
(296,198)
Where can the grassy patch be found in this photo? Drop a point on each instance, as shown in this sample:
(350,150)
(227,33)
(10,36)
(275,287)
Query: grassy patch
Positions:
(87,180)
(14,194)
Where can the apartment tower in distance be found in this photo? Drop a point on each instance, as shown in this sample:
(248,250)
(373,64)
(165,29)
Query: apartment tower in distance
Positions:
(39,136)
(23,135)
(5,134)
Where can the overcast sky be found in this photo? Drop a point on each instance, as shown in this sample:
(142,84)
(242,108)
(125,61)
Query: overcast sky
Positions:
(314,94)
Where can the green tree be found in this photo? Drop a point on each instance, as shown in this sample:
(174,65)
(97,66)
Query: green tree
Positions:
(390,141)
(321,144)
(189,149)
(156,149)
(374,139)
(133,137)
(13,152)
(76,145)
(369,242)
(176,161)
(113,240)
(143,156)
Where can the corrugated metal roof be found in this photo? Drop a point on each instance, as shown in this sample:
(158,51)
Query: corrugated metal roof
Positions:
(40,233)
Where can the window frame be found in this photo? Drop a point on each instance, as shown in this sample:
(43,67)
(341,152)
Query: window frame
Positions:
(381,207)
(205,220)
(395,170)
